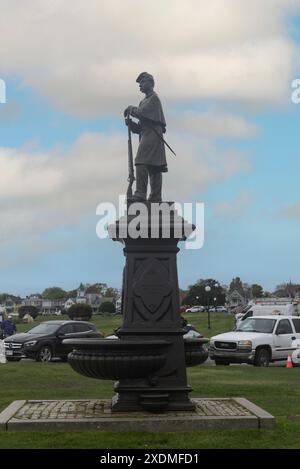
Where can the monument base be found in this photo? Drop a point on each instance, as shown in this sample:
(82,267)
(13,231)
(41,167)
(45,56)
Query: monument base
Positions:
(133,399)
(97,415)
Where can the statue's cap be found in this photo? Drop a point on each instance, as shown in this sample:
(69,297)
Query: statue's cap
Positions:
(143,76)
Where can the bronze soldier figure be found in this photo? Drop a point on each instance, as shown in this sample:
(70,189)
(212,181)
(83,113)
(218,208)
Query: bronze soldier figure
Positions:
(150,160)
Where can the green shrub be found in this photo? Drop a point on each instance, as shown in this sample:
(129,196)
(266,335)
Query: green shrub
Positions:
(80,311)
(107,307)
(32,310)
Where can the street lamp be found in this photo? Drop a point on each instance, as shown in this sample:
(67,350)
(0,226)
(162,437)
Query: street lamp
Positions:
(197,298)
(208,289)
(216,285)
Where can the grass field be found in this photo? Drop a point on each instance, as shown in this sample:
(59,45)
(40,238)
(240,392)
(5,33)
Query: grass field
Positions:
(220,322)
(277,390)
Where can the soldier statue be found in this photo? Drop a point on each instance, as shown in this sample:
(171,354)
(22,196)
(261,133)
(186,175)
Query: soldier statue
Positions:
(150,160)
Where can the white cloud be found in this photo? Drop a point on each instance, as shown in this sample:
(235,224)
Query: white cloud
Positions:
(213,123)
(86,58)
(199,164)
(42,191)
(23,175)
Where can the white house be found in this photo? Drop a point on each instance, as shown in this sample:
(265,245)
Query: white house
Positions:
(70,302)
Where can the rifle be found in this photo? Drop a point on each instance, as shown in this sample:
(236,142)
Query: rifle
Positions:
(131,177)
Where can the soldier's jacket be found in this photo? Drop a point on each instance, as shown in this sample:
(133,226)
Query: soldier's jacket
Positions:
(151,150)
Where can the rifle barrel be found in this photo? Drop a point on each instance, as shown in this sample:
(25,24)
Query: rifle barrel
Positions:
(131,177)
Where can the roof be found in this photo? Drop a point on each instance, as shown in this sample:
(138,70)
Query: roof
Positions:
(274,316)
(235,293)
(67,321)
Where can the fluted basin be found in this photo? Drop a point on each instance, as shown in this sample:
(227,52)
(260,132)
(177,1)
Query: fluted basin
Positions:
(116,359)
(195,352)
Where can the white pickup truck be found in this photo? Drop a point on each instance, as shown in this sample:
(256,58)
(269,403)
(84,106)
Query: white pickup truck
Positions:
(258,340)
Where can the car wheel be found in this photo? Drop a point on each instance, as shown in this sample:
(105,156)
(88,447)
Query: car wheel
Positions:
(221,361)
(44,354)
(262,357)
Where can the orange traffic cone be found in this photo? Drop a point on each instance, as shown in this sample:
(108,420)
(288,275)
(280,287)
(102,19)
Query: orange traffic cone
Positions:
(289,363)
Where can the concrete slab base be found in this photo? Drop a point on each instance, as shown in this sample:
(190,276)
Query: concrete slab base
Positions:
(96,415)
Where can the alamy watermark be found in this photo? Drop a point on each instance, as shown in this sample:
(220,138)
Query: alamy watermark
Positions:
(2,91)
(295,96)
(157,220)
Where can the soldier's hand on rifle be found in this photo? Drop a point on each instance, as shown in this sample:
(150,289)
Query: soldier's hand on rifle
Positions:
(134,127)
(128,111)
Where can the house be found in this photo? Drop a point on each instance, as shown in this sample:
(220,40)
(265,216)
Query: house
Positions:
(33,300)
(235,299)
(9,306)
(81,299)
(52,306)
(70,302)
(85,294)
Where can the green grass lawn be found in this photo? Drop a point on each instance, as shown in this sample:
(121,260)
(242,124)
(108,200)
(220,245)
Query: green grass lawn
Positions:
(275,389)
(106,324)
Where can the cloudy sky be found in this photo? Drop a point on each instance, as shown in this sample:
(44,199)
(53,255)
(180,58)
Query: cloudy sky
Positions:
(224,71)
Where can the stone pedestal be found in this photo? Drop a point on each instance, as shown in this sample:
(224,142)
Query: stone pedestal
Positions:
(151,308)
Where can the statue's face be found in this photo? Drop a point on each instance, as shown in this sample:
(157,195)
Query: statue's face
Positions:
(146,86)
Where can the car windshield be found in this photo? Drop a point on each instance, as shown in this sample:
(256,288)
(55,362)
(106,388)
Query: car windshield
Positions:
(45,328)
(263,325)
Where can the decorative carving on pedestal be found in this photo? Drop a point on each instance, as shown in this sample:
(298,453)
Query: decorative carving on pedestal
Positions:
(152,289)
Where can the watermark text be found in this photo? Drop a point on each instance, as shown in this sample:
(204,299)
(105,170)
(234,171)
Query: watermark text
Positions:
(156,220)
(295,96)
(2,91)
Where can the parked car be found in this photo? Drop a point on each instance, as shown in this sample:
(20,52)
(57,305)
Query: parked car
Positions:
(195,309)
(258,340)
(296,352)
(190,332)
(221,309)
(45,341)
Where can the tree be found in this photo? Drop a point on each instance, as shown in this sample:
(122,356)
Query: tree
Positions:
(111,293)
(80,311)
(54,293)
(107,307)
(97,288)
(198,296)
(236,284)
(71,294)
(6,296)
(32,310)
(257,291)
(287,290)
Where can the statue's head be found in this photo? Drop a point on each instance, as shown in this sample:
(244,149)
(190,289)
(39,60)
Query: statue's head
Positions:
(146,82)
